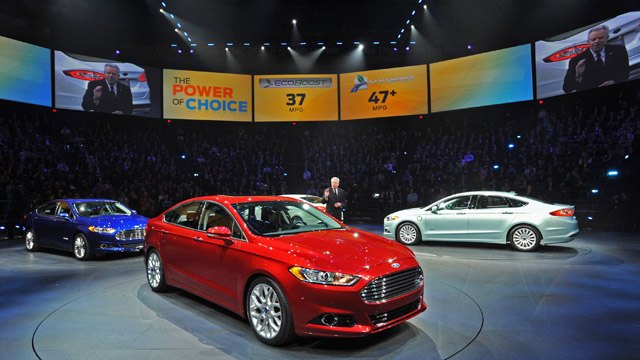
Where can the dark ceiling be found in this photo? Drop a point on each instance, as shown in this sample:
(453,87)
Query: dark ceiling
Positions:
(144,34)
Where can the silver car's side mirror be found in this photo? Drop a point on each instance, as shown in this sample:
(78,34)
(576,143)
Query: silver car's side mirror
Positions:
(434,209)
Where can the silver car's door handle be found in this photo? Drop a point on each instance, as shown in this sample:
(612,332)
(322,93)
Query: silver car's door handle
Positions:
(461,213)
(507,212)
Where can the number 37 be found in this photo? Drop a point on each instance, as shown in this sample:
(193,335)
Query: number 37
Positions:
(291,99)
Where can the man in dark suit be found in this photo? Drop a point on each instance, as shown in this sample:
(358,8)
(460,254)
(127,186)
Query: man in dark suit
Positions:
(108,95)
(601,65)
(336,199)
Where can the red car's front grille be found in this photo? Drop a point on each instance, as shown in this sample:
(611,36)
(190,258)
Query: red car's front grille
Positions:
(392,285)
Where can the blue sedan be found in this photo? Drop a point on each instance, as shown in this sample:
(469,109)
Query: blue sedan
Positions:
(86,227)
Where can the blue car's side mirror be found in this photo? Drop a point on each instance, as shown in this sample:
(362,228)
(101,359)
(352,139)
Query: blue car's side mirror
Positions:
(64,215)
(133,212)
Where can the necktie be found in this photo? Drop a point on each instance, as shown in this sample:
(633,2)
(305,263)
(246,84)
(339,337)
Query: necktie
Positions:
(599,61)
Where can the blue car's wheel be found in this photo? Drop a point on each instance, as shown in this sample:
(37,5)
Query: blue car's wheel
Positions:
(30,240)
(81,248)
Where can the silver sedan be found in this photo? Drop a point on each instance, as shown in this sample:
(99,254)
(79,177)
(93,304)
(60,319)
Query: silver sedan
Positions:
(485,216)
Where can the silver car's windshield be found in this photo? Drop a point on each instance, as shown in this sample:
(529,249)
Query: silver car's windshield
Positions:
(276,218)
(97,208)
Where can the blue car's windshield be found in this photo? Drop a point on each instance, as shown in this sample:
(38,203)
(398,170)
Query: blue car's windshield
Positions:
(97,208)
(276,218)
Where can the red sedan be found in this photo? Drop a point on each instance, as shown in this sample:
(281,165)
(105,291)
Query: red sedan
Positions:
(287,267)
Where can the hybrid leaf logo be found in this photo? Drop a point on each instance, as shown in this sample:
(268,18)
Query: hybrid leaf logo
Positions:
(360,82)
(267,83)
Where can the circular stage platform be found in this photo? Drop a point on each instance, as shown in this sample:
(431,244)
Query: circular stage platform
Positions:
(575,300)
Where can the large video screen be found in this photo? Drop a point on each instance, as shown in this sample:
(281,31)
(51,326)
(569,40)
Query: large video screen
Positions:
(92,84)
(386,92)
(198,95)
(295,97)
(495,77)
(25,72)
(593,56)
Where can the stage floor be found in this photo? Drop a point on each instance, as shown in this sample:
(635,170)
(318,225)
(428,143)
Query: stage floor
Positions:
(578,300)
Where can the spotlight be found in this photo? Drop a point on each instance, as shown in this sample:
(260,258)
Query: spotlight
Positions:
(161,10)
(324,47)
(496,167)
(361,46)
(595,191)
(425,7)
(179,51)
(117,52)
(407,48)
(176,29)
(511,145)
(191,51)
(294,21)
(262,47)
(469,46)
(227,49)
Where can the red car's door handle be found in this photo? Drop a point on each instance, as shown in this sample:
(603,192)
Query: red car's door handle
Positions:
(165,232)
(197,239)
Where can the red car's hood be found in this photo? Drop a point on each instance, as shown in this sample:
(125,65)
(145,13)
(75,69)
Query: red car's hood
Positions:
(347,251)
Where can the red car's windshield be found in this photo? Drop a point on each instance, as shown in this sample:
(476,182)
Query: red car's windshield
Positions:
(276,218)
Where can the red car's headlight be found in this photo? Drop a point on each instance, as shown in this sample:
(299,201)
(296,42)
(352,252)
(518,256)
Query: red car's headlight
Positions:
(323,277)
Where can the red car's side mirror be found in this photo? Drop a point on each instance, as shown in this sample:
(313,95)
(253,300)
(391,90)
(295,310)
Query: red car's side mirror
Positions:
(221,231)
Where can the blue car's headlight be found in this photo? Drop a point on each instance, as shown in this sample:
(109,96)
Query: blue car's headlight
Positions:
(323,277)
(102,230)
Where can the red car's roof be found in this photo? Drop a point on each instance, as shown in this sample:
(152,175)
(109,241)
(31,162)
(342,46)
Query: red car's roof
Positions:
(242,198)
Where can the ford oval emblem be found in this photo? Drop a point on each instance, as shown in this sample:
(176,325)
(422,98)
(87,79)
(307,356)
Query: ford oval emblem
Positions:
(395,265)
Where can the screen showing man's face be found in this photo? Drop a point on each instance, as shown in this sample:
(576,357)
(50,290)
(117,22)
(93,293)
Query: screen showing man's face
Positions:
(111,75)
(597,39)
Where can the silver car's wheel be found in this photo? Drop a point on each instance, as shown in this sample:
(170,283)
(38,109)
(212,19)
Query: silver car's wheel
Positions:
(81,248)
(268,312)
(524,238)
(155,272)
(408,234)
(30,240)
